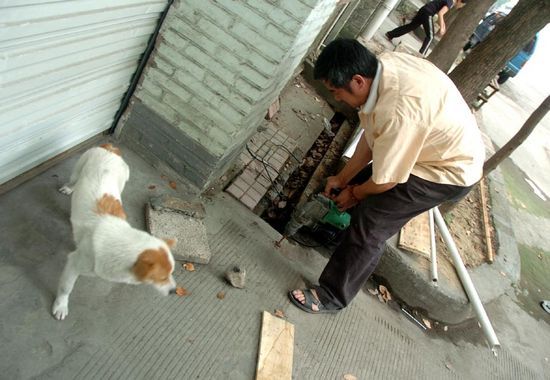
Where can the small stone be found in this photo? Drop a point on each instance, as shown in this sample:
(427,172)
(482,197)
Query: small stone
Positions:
(236,277)
(445,328)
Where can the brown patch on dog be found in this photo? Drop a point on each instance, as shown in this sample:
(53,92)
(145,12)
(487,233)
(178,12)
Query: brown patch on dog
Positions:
(153,265)
(109,205)
(111,148)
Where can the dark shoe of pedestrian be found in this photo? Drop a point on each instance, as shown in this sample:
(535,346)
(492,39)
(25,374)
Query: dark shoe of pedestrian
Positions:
(307,300)
(546,306)
(387,34)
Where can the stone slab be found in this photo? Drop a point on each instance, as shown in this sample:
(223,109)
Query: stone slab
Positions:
(190,232)
(168,203)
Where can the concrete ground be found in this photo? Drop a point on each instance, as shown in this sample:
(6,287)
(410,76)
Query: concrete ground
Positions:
(130,332)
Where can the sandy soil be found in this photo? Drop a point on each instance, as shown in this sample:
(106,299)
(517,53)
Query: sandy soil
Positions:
(465,221)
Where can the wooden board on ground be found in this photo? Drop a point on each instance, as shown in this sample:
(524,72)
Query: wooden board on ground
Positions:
(276,349)
(415,235)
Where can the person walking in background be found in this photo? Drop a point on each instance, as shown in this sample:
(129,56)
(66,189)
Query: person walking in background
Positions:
(424,18)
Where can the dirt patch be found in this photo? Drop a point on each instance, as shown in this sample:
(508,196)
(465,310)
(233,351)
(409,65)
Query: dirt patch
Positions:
(465,222)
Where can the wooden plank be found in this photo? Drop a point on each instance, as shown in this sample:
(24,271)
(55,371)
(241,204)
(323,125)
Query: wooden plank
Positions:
(415,235)
(486,226)
(276,349)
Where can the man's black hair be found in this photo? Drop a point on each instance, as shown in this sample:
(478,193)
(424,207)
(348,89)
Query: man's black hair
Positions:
(341,59)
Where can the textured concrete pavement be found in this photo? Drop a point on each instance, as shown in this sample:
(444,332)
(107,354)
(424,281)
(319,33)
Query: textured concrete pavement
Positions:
(130,332)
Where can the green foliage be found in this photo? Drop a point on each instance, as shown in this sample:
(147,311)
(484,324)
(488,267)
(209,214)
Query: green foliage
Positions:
(521,195)
(535,272)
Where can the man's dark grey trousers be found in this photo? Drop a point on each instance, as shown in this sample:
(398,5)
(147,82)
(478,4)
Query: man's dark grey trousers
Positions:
(373,221)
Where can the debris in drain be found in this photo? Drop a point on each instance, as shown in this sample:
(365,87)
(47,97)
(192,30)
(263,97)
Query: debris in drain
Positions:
(427,323)
(277,214)
(374,292)
(384,293)
(413,319)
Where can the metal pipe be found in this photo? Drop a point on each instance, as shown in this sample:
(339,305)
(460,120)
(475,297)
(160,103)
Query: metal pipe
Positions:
(340,13)
(378,16)
(433,256)
(467,282)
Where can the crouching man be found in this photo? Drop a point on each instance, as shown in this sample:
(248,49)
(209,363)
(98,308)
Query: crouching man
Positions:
(425,149)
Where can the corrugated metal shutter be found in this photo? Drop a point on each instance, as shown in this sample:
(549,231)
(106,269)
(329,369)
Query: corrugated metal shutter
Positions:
(64,68)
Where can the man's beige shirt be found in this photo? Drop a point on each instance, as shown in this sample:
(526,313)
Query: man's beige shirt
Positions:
(420,125)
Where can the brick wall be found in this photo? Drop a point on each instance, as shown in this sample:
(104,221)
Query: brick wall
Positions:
(216,68)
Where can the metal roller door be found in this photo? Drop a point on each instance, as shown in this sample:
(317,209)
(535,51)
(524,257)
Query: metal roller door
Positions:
(64,69)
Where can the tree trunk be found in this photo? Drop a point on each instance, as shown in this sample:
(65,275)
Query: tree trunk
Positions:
(518,138)
(509,147)
(505,41)
(445,52)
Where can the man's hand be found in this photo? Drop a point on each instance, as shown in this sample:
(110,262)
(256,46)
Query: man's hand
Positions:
(442,30)
(346,199)
(333,183)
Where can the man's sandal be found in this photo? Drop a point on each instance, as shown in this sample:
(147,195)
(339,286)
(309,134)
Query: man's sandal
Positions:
(310,300)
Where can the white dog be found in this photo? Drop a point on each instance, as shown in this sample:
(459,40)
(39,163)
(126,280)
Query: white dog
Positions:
(106,245)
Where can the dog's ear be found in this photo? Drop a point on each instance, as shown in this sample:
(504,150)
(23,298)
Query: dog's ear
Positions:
(171,242)
(143,265)
(152,265)
(111,148)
